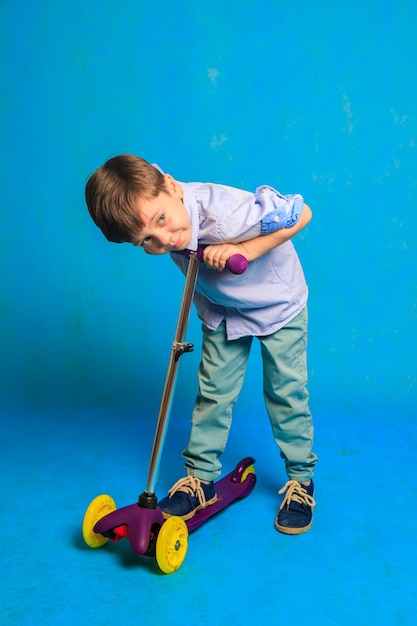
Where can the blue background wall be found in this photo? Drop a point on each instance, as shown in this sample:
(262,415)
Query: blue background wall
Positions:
(304,96)
(310,97)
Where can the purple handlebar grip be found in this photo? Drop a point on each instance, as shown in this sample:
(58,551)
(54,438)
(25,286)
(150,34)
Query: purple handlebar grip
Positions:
(237,263)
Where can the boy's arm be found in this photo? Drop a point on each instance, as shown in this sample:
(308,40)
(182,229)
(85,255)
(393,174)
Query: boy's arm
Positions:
(215,256)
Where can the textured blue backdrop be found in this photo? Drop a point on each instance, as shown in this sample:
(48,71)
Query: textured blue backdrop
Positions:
(306,96)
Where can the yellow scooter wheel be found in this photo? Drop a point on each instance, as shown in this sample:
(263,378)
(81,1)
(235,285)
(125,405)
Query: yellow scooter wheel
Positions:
(171,544)
(99,507)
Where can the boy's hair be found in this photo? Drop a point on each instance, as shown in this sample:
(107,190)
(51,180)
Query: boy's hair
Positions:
(114,190)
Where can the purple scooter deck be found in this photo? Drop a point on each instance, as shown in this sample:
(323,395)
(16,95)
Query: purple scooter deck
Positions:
(140,522)
(228,489)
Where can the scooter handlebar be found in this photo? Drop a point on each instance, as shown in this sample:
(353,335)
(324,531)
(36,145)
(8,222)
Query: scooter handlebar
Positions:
(236,264)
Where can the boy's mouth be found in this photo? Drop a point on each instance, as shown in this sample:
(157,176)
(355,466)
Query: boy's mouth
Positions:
(177,244)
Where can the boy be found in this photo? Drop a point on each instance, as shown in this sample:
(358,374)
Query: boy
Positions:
(133,201)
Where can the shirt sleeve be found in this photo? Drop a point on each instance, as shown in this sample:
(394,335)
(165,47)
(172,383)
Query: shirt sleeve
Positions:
(227,214)
(259,213)
(279,211)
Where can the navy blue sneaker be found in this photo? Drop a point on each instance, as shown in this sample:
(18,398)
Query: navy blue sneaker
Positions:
(186,497)
(295,514)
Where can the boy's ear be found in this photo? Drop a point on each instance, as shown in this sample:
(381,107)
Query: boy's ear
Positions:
(172,185)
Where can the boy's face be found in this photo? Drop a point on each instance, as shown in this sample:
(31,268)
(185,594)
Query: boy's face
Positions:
(167,223)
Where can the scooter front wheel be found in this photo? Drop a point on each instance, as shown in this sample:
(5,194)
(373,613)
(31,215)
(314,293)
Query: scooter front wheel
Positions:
(98,508)
(171,544)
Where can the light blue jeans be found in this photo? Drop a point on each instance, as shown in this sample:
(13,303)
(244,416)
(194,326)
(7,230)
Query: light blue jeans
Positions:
(220,377)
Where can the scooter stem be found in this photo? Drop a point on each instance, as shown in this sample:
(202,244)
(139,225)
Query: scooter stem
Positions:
(178,348)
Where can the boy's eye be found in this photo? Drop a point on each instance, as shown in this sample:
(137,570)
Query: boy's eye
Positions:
(147,240)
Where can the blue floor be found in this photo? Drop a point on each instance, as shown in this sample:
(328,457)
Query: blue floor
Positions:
(356,566)
(309,97)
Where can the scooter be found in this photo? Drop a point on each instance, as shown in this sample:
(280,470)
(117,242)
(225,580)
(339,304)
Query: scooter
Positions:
(142,523)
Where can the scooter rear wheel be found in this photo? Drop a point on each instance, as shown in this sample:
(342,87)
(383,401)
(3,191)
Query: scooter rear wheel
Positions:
(249,470)
(171,544)
(98,508)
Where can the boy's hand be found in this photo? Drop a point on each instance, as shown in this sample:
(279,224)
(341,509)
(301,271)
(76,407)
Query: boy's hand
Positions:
(215,256)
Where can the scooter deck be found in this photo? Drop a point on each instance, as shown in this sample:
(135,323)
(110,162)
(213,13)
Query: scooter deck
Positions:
(228,489)
(135,523)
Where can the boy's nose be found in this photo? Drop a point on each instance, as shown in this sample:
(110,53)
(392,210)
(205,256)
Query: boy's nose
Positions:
(164,237)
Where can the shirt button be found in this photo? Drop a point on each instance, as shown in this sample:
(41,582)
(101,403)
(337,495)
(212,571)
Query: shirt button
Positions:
(276,218)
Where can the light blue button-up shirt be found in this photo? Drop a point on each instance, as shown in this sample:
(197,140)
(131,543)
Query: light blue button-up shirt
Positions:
(273,289)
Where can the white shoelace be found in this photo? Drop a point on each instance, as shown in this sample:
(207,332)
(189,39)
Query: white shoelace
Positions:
(297,493)
(191,486)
